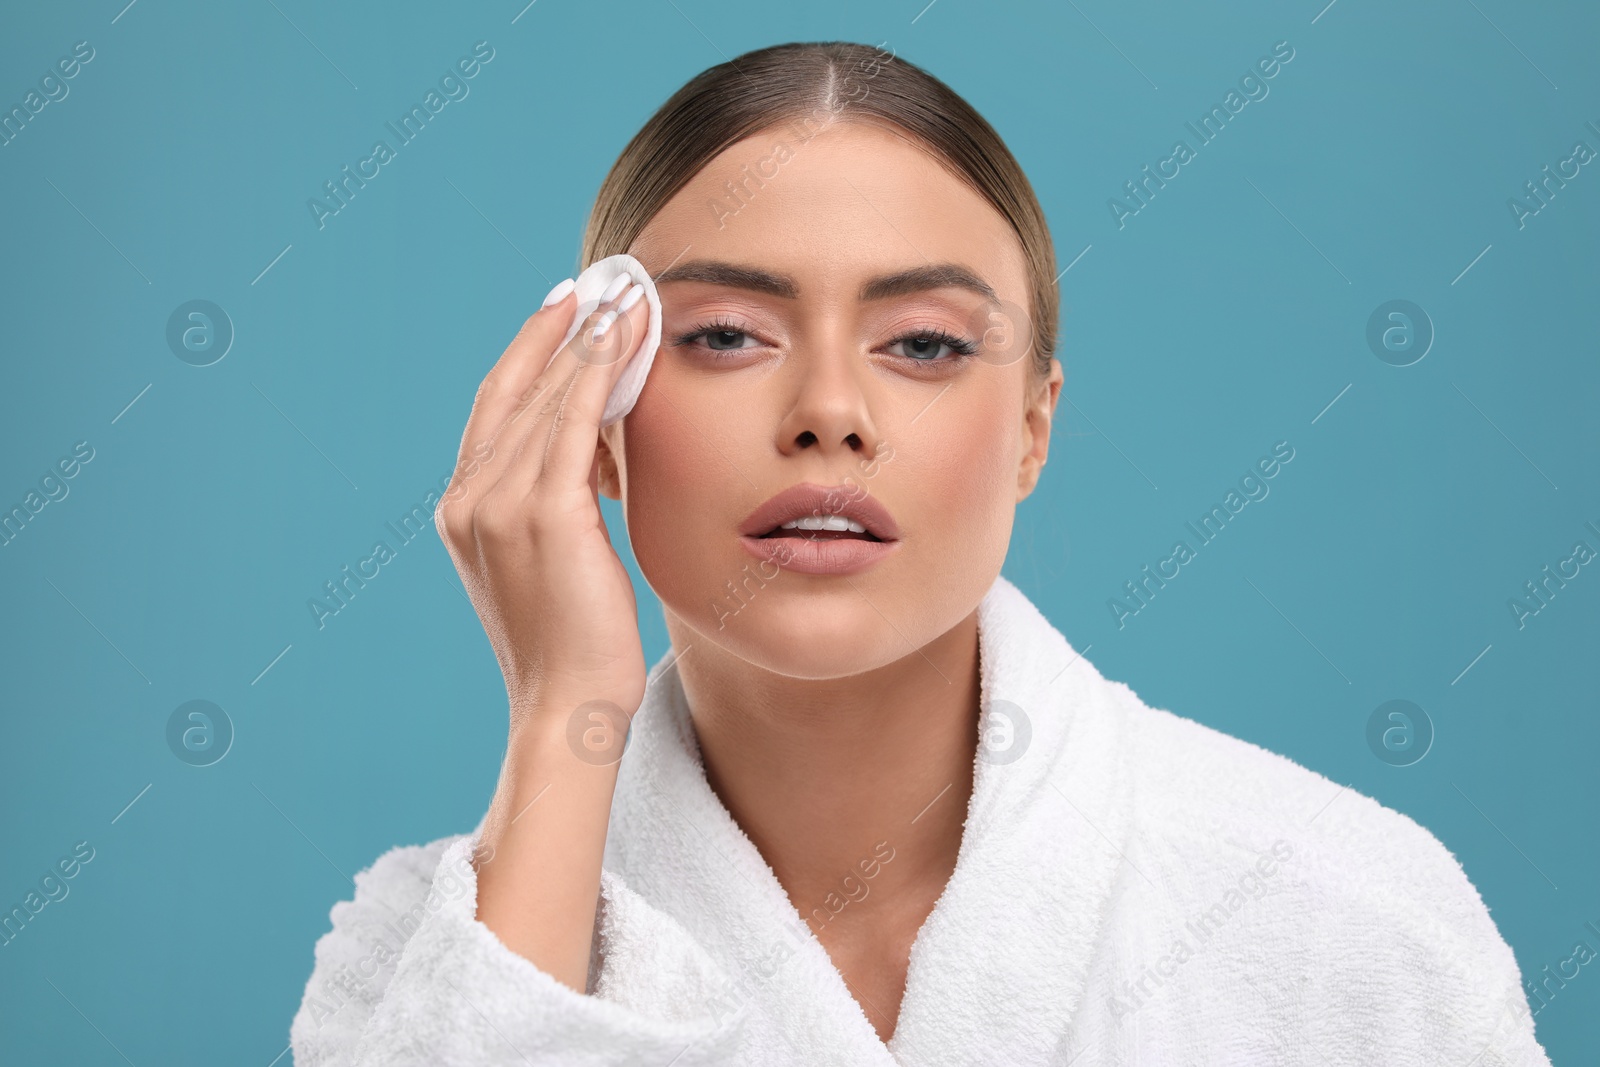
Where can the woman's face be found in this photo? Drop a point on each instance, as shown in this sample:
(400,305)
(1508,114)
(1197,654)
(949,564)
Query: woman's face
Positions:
(816,298)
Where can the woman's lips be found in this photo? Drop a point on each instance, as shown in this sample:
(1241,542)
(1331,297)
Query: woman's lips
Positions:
(836,552)
(819,551)
(807,500)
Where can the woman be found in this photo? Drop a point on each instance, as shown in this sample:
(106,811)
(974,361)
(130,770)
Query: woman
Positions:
(872,808)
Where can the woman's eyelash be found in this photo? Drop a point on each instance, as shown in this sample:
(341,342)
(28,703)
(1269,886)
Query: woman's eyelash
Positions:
(718,325)
(961,346)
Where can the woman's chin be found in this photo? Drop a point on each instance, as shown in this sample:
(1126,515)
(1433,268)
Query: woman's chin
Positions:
(815,636)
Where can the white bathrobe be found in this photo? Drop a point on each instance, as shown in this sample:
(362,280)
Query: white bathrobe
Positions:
(1131,888)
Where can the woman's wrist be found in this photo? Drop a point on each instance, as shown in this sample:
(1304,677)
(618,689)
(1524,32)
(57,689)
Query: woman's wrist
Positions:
(556,758)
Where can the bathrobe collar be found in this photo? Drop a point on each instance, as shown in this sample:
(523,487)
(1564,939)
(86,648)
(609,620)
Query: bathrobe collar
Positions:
(998,968)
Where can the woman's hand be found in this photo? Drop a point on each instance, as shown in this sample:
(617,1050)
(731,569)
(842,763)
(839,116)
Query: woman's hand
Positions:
(522,516)
(522,523)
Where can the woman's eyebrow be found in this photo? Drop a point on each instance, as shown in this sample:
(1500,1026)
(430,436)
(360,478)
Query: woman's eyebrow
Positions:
(731,275)
(932,276)
(913,280)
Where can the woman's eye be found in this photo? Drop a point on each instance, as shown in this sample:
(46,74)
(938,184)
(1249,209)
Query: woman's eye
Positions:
(715,337)
(928,348)
(922,347)
(724,340)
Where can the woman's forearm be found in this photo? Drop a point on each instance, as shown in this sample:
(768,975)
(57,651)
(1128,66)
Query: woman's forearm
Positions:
(543,841)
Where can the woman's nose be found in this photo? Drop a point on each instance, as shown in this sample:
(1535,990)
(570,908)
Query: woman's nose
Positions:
(830,412)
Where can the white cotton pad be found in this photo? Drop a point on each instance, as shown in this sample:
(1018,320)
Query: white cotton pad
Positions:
(589,286)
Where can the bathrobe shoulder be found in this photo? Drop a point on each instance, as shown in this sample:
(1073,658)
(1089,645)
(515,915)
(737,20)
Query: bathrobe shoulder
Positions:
(1132,887)
(1317,917)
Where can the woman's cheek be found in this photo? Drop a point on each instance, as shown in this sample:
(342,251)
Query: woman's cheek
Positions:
(682,519)
(960,476)
(968,470)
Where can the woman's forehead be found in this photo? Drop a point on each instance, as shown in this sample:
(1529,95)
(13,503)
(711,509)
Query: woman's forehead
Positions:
(851,203)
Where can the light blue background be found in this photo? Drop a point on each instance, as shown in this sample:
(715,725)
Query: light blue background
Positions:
(1222,318)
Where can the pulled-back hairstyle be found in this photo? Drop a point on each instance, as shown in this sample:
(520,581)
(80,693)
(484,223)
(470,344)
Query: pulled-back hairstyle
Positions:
(806,85)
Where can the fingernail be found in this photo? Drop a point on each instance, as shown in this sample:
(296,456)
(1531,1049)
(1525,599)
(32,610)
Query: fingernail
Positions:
(602,326)
(559,293)
(619,283)
(631,299)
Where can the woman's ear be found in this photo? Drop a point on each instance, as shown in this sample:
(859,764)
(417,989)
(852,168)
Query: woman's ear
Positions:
(609,481)
(1036,417)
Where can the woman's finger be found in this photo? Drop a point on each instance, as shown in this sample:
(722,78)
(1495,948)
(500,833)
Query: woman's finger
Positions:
(569,398)
(571,450)
(504,387)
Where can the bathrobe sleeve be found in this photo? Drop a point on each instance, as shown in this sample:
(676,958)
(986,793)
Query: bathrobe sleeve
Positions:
(1458,975)
(1410,956)
(408,975)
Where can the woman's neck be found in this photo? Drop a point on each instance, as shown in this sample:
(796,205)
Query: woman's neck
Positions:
(820,773)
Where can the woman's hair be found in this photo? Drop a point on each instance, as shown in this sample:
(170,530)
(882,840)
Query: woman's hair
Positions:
(808,85)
